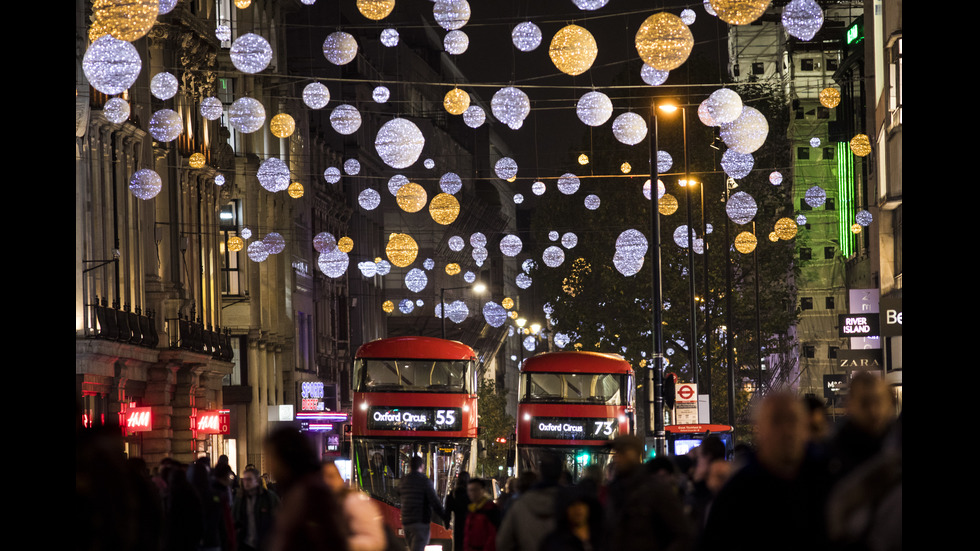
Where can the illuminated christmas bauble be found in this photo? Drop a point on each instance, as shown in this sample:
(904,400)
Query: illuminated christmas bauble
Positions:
(389,37)
(316,95)
(235,244)
(724,105)
(352,167)
(829,97)
(196,160)
(399,143)
(111,66)
(494,314)
(814,142)
(705,115)
(664,161)
(667,204)
(444,208)
(452,269)
(737,165)
(573,50)
(855,228)
(745,242)
(510,105)
(632,243)
(553,235)
(553,257)
(664,42)
(375,10)
(457,311)
(127,20)
(773,236)
(333,263)
(653,77)
(164,86)
(324,241)
(740,12)
(591,202)
(681,235)
(505,168)
(511,245)
(802,18)
(282,125)
(456,101)
(863,217)
(583,159)
(629,128)
(625,168)
(406,306)
(479,254)
(568,183)
(456,243)
(741,207)
(345,244)
(145,184)
(451,14)
(688,17)
(450,183)
(246,233)
(800,220)
(345,119)
(250,53)
(242,4)
(478,240)
(165,125)
(246,115)
(594,108)
(456,42)
(538,188)
(211,108)
(340,48)
(274,243)
(369,199)
(428,263)
(589,5)
(569,240)
(508,302)
(388,306)
(331,175)
(526,36)
(273,174)
(380,94)
(786,228)
(775,178)
(411,197)
(395,183)
(222,33)
(861,145)
(295,190)
(116,110)
(257,251)
(167,6)
(474,116)
(219,180)
(747,133)
(815,196)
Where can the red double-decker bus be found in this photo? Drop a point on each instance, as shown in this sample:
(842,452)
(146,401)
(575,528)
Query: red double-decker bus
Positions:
(573,404)
(413,396)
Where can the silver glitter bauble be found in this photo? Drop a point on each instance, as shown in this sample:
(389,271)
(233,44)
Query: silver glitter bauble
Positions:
(747,133)
(511,245)
(478,240)
(523,280)
(775,178)
(167,6)
(680,236)
(724,105)
(345,119)
(324,242)
(389,37)
(538,188)
(246,233)
(594,108)
(164,86)
(333,263)
(380,94)
(250,53)
(526,36)
(510,105)
(653,77)
(568,183)
(258,252)
(428,263)
(469,277)
(863,218)
(553,256)
(474,116)
(456,42)
(331,175)
(451,14)
(802,19)
(395,183)
(111,66)
(406,306)
(246,115)
(429,163)
(814,142)
(273,174)
(632,244)
(316,95)
(340,48)
(589,5)
(505,168)
(627,265)
(211,108)
(800,220)
(569,240)
(116,110)
(274,243)
(495,314)
(518,198)
(219,180)
(741,207)
(450,183)
(479,255)
(145,184)
(629,128)
(737,165)
(709,9)
(457,311)
(416,280)
(561,340)
(165,125)
(553,235)
(815,196)
(399,143)
(222,33)
(456,243)
(530,342)
(688,17)
(592,202)
(352,167)
(664,161)
(367,268)
(369,199)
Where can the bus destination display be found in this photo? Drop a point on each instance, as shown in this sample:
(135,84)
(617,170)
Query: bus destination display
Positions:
(414,418)
(576,428)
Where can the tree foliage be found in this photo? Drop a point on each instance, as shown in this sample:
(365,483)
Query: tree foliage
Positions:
(494,423)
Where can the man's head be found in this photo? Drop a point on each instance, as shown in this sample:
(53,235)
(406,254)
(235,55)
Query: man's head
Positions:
(816,418)
(781,433)
(417,463)
(250,480)
(870,404)
(476,489)
(627,453)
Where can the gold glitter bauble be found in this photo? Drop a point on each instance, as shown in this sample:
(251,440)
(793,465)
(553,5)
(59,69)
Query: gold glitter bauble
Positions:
(282,125)
(127,20)
(452,268)
(745,242)
(235,244)
(401,249)
(573,49)
(773,237)
(242,4)
(444,208)
(388,306)
(740,12)
(664,42)
(668,204)
(855,228)
(456,101)
(786,228)
(861,145)
(376,10)
(197,160)
(513,314)
(625,168)
(507,303)
(829,97)
(345,244)
(583,159)
(411,197)
(295,190)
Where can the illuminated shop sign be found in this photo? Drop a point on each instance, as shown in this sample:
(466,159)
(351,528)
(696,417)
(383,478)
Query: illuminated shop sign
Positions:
(312,393)
(139,419)
(858,325)
(576,428)
(413,418)
(214,422)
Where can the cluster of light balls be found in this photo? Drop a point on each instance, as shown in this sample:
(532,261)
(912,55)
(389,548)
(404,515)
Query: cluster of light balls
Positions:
(631,246)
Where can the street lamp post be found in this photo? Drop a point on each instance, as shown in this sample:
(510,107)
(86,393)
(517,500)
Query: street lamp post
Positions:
(654,384)
(477,288)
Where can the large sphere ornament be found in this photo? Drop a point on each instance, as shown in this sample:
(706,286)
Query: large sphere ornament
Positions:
(474,116)
(388,306)
(246,115)
(222,33)
(395,183)
(164,86)
(389,37)
(345,119)
(369,199)
(629,128)
(145,184)
(861,145)
(456,42)
(627,265)
(165,125)
(167,6)
(478,240)
(863,217)
(197,160)
(375,10)
(450,183)
(775,178)
(456,101)
(250,53)
(505,168)
(340,48)
(653,77)
(399,143)
(444,208)
(331,175)
(345,244)
(737,165)
(274,243)
(594,108)
(523,281)
(667,204)
(273,174)
(664,42)
(282,125)
(510,105)
(739,12)
(511,245)
(747,133)
(116,110)
(406,306)
(724,105)
(380,94)
(416,280)
(111,66)
(741,207)
(352,167)
(451,14)
(526,36)
(786,228)
(401,249)
(573,50)
(745,242)
(815,196)
(235,244)
(538,188)
(211,108)
(295,190)
(333,263)
(127,20)
(456,243)
(553,256)
(802,18)
(411,197)
(829,97)
(632,243)
(664,161)
(324,242)
(592,202)
(494,313)
(257,251)
(568,183)
(316,95)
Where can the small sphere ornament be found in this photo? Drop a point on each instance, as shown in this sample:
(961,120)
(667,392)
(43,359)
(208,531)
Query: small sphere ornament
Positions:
(352,167)
(406,306)
(474,116)
(429,163)
(863,217)
(861,145)
(395,183)
(246,233)
(164,86)
(688,17)
(145,184)
(246,115)
(316,95)
(583,159)
(664,161)
(165,125)
(511,245)
(456,101)
(505,168)
(411,197)
(456,243)
(324,241)
(333,263)
(197,160)
(478,240)
(802,18)
(568,183)
(800,220)
(381,94)
(375,10)
(250,53)
(369,199)
(450,183)
(295,190)
(526,36)
(573,50)
(388,306)
(830,97)
(553,256)
(569,240)
(667,204)
(116,110)
(274,243)
(739,12)
(456,42)
(345,119)
(786,228)
(282,125)
(111,66)
(775,178)
(167,6)
(815,196)
(538,188)
(592,202)
(594,108)
(741,207)
(444,208)
(389,38)
(222,33)
(653,77)
(745,242)
(452,269)
(814,142)
(257,251)
(273,174)
(211,108)
(664,42)
(331,175)
(494,313)
(340,48)
(235,244)
(737,165)
(855,228)
(345,244)
(629,128)
(399,143)
(451,14)
(428,264)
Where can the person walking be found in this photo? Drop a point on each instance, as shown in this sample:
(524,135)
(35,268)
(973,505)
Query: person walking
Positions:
(253,512)
(418,501)
(482,519)
(365,525)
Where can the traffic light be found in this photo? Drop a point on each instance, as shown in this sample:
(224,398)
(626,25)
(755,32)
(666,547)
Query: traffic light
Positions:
(501,440)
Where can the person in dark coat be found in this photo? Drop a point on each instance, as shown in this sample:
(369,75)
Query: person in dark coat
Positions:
(456,506)
(418,502)
(254,513)
(579,521)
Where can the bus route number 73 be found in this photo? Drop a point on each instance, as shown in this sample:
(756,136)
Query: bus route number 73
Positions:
(603,427)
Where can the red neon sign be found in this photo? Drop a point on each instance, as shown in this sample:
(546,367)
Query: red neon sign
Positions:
(214,422)
(139,419)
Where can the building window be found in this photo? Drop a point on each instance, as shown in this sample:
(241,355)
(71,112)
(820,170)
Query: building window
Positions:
(830,204)
(806,64)
(829,303)
(735,70)
(758,68)
(809,351)
(831,64)
(229,218)
(829,252)
(832,352)
(804,205)
(803,153)
(895,81)
(823,112)
(828,153)
(805,253)
(806,303)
